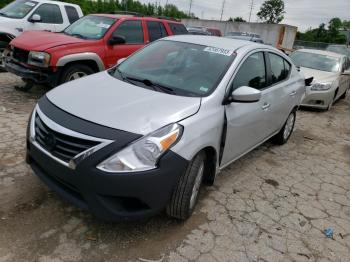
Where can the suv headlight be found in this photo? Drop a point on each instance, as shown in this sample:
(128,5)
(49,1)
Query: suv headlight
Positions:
(321,86)
(144,153)
(40,59)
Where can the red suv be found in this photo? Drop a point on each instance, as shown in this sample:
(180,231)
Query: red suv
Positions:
(91,44)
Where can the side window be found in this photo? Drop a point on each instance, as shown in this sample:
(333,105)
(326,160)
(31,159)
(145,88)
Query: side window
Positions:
(279,68)
(252,73)
(178,29)
(156,30)
(49,13)
(132,31)
(71,13)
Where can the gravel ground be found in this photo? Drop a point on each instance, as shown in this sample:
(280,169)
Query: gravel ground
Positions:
(271,205)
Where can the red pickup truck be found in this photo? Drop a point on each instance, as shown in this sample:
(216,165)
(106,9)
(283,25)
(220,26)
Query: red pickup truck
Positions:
(91,44)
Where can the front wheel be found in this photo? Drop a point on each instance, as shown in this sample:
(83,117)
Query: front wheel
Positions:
(286,131)
(185,195)
(74,72)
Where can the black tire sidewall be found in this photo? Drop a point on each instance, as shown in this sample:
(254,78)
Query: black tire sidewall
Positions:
(69,70)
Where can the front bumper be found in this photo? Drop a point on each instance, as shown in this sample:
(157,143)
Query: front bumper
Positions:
(318,99)
(38,76)
(109,196)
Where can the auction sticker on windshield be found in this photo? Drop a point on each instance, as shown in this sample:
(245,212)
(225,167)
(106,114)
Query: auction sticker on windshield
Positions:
(29,3)
(220,51)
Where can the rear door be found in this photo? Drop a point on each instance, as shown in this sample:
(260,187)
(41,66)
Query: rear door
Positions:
(344,81)
(246,122)
(282,92)
(51,18)
(156,30)
(132,31)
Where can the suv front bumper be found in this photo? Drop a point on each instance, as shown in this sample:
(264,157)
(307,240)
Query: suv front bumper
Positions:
(38,76)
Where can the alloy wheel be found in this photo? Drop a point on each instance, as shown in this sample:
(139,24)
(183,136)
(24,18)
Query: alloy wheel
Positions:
(289,126)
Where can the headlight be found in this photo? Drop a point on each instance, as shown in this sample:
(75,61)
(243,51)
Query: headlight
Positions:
(144,153)
(321,86)
(41,59)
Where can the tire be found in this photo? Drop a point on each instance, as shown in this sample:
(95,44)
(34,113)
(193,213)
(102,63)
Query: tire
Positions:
(73,72)
(283,136)
(185,195)
(343,96)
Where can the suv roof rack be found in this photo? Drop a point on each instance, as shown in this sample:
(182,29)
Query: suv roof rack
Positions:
(142,15)
(126,13)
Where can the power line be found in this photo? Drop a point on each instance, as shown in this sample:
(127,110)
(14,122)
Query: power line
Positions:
(222,9)
(251,9)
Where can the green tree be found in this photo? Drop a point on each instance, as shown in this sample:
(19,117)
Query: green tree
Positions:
(272,11)
(237,19)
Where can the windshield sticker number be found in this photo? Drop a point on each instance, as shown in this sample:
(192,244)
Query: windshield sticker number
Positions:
(220,51)
(29,3)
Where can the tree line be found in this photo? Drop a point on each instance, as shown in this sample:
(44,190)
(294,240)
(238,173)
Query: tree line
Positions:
(326,33)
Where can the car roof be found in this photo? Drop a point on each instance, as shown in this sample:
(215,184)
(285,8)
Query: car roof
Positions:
(214,41)
(54,2)
(321,52)
(122,16)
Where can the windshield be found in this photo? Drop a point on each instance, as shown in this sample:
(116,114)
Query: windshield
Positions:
(90,27)
(18,9)
(316,61)
(179,68)
(340,50)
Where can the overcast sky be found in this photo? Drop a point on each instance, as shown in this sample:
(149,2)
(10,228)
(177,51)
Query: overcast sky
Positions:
(301,13)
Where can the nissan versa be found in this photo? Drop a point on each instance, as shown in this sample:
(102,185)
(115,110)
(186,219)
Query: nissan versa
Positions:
(141,137)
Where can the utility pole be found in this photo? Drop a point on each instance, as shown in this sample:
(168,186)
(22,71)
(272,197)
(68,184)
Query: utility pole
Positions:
(222,9)
(189,11)
(251,9)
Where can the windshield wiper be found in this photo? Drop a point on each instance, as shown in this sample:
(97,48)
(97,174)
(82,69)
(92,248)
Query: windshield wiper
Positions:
(155,86)
(78,35)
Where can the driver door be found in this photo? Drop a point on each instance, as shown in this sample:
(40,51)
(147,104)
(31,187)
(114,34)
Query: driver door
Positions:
(51,18)
(246,122)
(132,31)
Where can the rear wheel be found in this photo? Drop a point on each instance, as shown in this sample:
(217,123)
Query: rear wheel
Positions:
(286,131)
(75,71)
(185,195)
(343,96)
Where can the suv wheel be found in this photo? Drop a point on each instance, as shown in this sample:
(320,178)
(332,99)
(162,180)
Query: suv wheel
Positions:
(74,72)
(185,195)
(286,131)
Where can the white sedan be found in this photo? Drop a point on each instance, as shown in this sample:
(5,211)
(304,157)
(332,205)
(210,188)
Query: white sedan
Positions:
(331,73)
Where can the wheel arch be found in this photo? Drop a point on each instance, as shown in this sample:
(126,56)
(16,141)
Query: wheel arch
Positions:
(91,59)
(6,37)
(210,164)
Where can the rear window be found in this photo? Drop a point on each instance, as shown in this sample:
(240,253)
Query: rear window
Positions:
(178,29)
(72,13)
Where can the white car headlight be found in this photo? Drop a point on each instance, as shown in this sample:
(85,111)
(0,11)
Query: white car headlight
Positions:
(40,59)
(144,153)
(321,86)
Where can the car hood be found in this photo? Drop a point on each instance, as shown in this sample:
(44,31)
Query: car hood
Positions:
(42,40)
(105,100)
(319,76)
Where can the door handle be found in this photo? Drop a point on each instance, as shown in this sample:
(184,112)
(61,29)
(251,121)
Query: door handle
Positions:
(293,93)
(266,106)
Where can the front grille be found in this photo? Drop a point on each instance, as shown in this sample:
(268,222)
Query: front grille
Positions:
(60,145)
(20,55)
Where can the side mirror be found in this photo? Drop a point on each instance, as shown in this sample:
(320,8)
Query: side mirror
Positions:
(121,60)
(244,94)
(35,18)
(117,40)
(308,81)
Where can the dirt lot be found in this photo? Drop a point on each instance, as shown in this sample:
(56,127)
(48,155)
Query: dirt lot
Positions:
(272,205)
